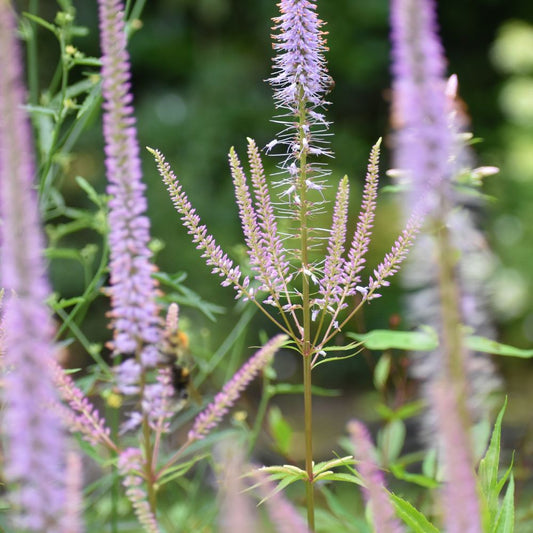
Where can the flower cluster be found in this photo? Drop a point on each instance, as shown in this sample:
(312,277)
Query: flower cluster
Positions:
(231,391)
(374,491)
(425,142)
(134,311)
(82,416)
(462,513)
(130,466)
(35,441)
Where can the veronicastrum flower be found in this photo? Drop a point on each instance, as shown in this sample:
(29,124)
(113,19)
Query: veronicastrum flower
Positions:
(134,311)
(35,451)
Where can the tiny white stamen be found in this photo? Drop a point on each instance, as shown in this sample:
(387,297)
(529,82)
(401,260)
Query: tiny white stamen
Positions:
(270,145)
(362,290)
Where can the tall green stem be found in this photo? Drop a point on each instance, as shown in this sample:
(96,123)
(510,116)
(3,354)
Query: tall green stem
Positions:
(451,320)
(308,418)
(306,347)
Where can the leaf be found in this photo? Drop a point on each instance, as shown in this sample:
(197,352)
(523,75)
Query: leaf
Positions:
(399,472)
(40,110)
(286,388)
(89,190)
(384,339)
(390,441)
(179,470)
(280,430)
(482,344)
(505,519)
(42,22)
(92,101)
(489,465)
(382,371)
(332,463)
(338,476)
(412,516)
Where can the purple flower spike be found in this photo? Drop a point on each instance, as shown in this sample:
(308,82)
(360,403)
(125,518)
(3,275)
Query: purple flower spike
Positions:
(375,492)
(300,68)
(425,142)
(35,448)
(214,412)
(461,505)
(134,311)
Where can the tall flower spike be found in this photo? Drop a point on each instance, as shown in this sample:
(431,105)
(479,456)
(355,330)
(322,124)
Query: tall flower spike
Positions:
(331,285)
(134,310)
(461,505)
(375,493)
(253,236)
(300,68)
(212,253)
(267,221)
(300,83)
(231,391)
(130,466)
(36,444)
(425,142)
(363,230)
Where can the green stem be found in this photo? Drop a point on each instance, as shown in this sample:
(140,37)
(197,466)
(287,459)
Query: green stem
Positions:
(148,465)
(306,348)
(453,341)
(308,418)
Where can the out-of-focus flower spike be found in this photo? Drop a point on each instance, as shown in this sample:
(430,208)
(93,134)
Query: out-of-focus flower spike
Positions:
(35,452)
(82,416)
(133,290)
(172,318)
(212,253)
(130,463)
(461,505)
(375,492)
(74,494)
(425,142)
(237,511)
(283,515)
(332,283)
(231,391)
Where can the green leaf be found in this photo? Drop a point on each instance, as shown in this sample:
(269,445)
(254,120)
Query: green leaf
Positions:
(89,190)
(482,344)
(399,472)
(92,101)
(287,388)
(390,441)
(382,371)
(489,465)
(338,476)
(280,430)
(505,519)
(412,516)
(40,110)
(332,463)
(88,61)
(42,22)
(62,253)
(384,339)
(179,470)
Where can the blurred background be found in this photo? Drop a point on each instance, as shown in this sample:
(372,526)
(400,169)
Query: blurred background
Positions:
(199,69)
